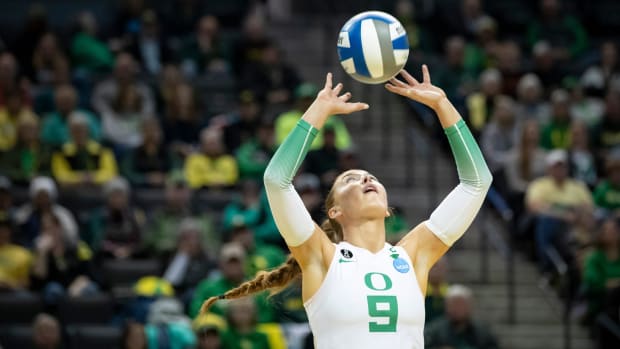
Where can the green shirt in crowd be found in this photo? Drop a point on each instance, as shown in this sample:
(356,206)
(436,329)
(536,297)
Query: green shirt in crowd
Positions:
(555,135)
(599,274)
(55,129)
(90,53)
(252,160)
(607,196)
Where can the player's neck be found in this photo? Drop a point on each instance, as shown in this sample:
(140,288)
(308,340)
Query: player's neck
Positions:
(368,234)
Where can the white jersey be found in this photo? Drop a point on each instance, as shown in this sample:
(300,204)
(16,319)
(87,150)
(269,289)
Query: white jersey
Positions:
(368,301)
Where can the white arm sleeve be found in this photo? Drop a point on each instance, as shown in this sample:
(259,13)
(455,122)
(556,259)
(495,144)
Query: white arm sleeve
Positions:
(290,213)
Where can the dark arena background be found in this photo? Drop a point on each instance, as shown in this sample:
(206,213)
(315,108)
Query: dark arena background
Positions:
(134,135)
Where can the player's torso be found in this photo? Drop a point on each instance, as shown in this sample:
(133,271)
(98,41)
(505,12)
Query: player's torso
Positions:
(368,301)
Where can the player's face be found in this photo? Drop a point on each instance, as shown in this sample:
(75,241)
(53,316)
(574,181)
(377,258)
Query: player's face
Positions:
(359,194)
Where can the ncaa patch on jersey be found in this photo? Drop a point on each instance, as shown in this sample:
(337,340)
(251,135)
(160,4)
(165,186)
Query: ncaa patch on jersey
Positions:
(401,265)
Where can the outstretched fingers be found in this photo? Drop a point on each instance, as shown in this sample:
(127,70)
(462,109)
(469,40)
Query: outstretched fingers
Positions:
(345,97)
(425,74)
(328,81)
(358,106)
(410,79)
(337,89)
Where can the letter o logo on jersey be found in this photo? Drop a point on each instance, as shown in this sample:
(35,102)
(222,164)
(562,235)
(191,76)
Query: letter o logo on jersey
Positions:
(378,281)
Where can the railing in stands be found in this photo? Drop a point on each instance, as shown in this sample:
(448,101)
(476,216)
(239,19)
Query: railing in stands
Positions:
(561,269)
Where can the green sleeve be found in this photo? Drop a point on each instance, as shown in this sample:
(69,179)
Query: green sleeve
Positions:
(289,156)
(470,163)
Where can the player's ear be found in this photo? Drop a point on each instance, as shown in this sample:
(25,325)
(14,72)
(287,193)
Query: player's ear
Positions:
(334,212)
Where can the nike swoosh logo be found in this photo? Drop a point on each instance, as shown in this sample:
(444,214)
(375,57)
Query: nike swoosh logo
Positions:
(344,261)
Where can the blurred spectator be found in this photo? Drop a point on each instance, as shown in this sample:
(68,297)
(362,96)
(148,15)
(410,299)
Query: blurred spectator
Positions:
(434,301)
(190,262)
(510,65)
(211,166)
(309,188)
(272,79)
(168,326)
(418,35)
(15,261)
(182,16)
(60,267)
(34,26)
(10,80)
(453,76)
(183,120)
(501,135)
(49,63)
(149,164)
(254,154)
(304,96)
(560,204)
(581,159)
(87,51)
(46,332)
(556,133)
(205,51)
(55,127)
(169,81)
(260,256)
(242,124)
(149,45)
(565,34)
(607,135)
(601,278)
(133,336)
(81,160)
(29,217)
(128,17)
(123,102)
(531,105)
(546,66)
(482,53)
(584,108)
(243,210)
(28,158)
(607,192)
(242,331)
(249,48)
(208,329)
(231,264)
(161,234)
(606,74)
(480,104)
(13,109)
(324,162)
(524,163)
(116,228)
(457,329)
(464,22)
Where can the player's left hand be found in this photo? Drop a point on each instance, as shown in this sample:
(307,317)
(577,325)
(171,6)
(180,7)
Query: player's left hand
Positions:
(424,92)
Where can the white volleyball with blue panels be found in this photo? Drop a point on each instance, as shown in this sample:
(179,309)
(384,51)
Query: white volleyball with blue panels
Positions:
(373,47)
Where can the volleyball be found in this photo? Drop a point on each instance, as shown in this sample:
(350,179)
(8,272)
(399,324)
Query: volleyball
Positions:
(373,47)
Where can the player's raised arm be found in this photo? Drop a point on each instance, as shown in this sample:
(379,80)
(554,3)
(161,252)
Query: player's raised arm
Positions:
(427,242)
(291,217)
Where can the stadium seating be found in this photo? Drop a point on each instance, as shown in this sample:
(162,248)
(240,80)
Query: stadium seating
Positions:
(19,308)
(94,337)
(94,309)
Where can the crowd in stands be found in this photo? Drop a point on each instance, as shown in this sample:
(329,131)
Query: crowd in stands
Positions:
(132,154)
